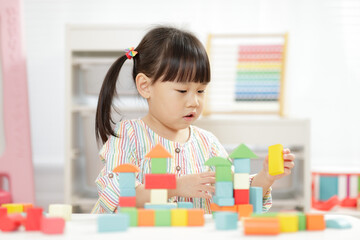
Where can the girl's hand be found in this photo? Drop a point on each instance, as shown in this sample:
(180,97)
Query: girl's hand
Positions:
(194,185)
(288,165)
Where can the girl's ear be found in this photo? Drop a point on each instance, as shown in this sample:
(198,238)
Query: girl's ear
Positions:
(143,85)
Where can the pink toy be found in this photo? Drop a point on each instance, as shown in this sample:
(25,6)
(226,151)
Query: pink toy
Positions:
(15,161)
(52,225)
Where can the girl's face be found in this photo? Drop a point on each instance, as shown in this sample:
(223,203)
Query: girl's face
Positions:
(176,105)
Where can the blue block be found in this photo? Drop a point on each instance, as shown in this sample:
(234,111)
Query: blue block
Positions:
(127,192)
(256,199)
(241,165)
(224,189)
(224,201)
(328,187)
(226,220)
(185,205)
(113,222)
(126,180)
(159,206)
(338,223)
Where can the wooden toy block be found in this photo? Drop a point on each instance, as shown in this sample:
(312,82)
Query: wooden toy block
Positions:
(224,201)
(53,225)
(127,167)
(261,226)
(328,187)
(160,206)
(18,218)
(113,222)
(226,220)
(127,192)
(338,223)
(216,208)
(276,160)
(33,219)
(242,151)
(185,205)
(256,199)
(127,201)
(158,165)
(315,221)
(196,217)
(223,174)
(288,222)
(179,217)
(162,217)
(244,210)
(224,189)
(158,152)
(218,161)
(3,212)
(160,181)
(13,207)
(126,180)
(133,215)
(241,165)
(242,196)
(60,210)
(158,196)
(8,225)
(265,215)
(146,217)
(302,221)
(27,206)
(241,181)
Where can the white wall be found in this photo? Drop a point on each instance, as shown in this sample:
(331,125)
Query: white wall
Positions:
(323,75)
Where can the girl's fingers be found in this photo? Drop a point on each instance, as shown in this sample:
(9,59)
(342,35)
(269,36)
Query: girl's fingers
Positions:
(207,180)
(289,157)
(207,188)
(289,164)
(207,174)
(286,151)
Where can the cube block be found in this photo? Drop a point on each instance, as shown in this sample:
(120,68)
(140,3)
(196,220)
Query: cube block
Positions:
(146,217)
(126,180)
(179,217)
(315,222)
(160,181)
(127,192)
(33,219)
(132,213)
(226,220)
(241,181)
(127,201)
(52,225)
(241,165)
(162,217)
(288,222)
(158,196)
(223,174)
(60,210)
(158,165)
(224,189)
(113,222)
(261,226)
(244,210)
(242,196)
(196,217)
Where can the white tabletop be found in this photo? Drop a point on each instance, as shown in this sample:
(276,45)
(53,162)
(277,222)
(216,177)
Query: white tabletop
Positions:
(84,226)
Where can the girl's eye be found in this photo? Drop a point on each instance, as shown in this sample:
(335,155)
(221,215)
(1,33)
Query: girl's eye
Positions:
(181,91)
(201,91)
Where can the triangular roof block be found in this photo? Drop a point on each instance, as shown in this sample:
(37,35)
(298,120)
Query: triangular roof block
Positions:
(158,152)
(242,151)
(218,161)
(127,167)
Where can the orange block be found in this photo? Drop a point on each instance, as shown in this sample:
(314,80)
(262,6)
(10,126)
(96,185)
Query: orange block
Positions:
(216,208)
(127,167)
(146,217)
(196,217)
(27,206)
(244,210)
(315,221)
(261,226)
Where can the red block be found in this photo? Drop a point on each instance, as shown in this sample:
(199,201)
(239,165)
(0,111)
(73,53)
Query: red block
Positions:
(54,225)
(18,218)
(241,196)
(33,219)
(3,212)
(127,201)
(160,181)
(8,225)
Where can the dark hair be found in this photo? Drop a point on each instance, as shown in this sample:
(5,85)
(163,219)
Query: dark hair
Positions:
(166,54)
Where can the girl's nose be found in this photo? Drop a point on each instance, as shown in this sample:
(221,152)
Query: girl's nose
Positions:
(193,101)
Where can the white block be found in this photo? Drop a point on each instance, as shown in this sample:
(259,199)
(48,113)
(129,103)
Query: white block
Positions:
(241,181)
(60,210)
(158,196)
(342,187)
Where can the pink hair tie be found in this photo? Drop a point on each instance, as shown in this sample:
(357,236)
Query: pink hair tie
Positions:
(130,53)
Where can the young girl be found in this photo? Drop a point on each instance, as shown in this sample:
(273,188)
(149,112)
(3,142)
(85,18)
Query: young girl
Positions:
(171,71)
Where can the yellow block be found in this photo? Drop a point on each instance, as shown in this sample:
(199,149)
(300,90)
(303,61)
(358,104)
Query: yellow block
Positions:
(179,217)
(276,160)
(288,222)
(13,207)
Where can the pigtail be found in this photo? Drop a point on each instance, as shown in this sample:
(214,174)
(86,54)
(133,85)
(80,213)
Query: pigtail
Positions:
(103,123)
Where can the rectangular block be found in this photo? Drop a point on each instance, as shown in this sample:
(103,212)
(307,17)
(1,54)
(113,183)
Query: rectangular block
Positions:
(127,201)
(223,174)
(224,189)
(13,207)
(33,219)
(133,215)
(216,208)
(160,206)
(60,210)
(146,217)
(113,222)
(127,192)
(241,165)
(256,199)
(288,222)
(242,196)
(158,165)
(328,187)
(162,217)
(223,201)
(226,220)
(241,181)
(261,226)
(126,180)
(179,217)
(52,225)
(276,160)
(315,222)
(158,196)
(244,210)
(160,181)
(185,205)
(302,221)
(196,217)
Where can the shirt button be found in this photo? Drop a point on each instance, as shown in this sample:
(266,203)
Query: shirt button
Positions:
(111,175)
(177,150)
(178,168)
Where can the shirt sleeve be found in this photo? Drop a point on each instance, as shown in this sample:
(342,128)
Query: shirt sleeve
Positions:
(116,150)
(267,198)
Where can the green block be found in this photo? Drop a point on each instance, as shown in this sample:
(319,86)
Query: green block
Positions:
(223,174)
(133,214)
(159,165)
(162,217)
(218,161)
(243,151)
(267,214)
(302,222)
